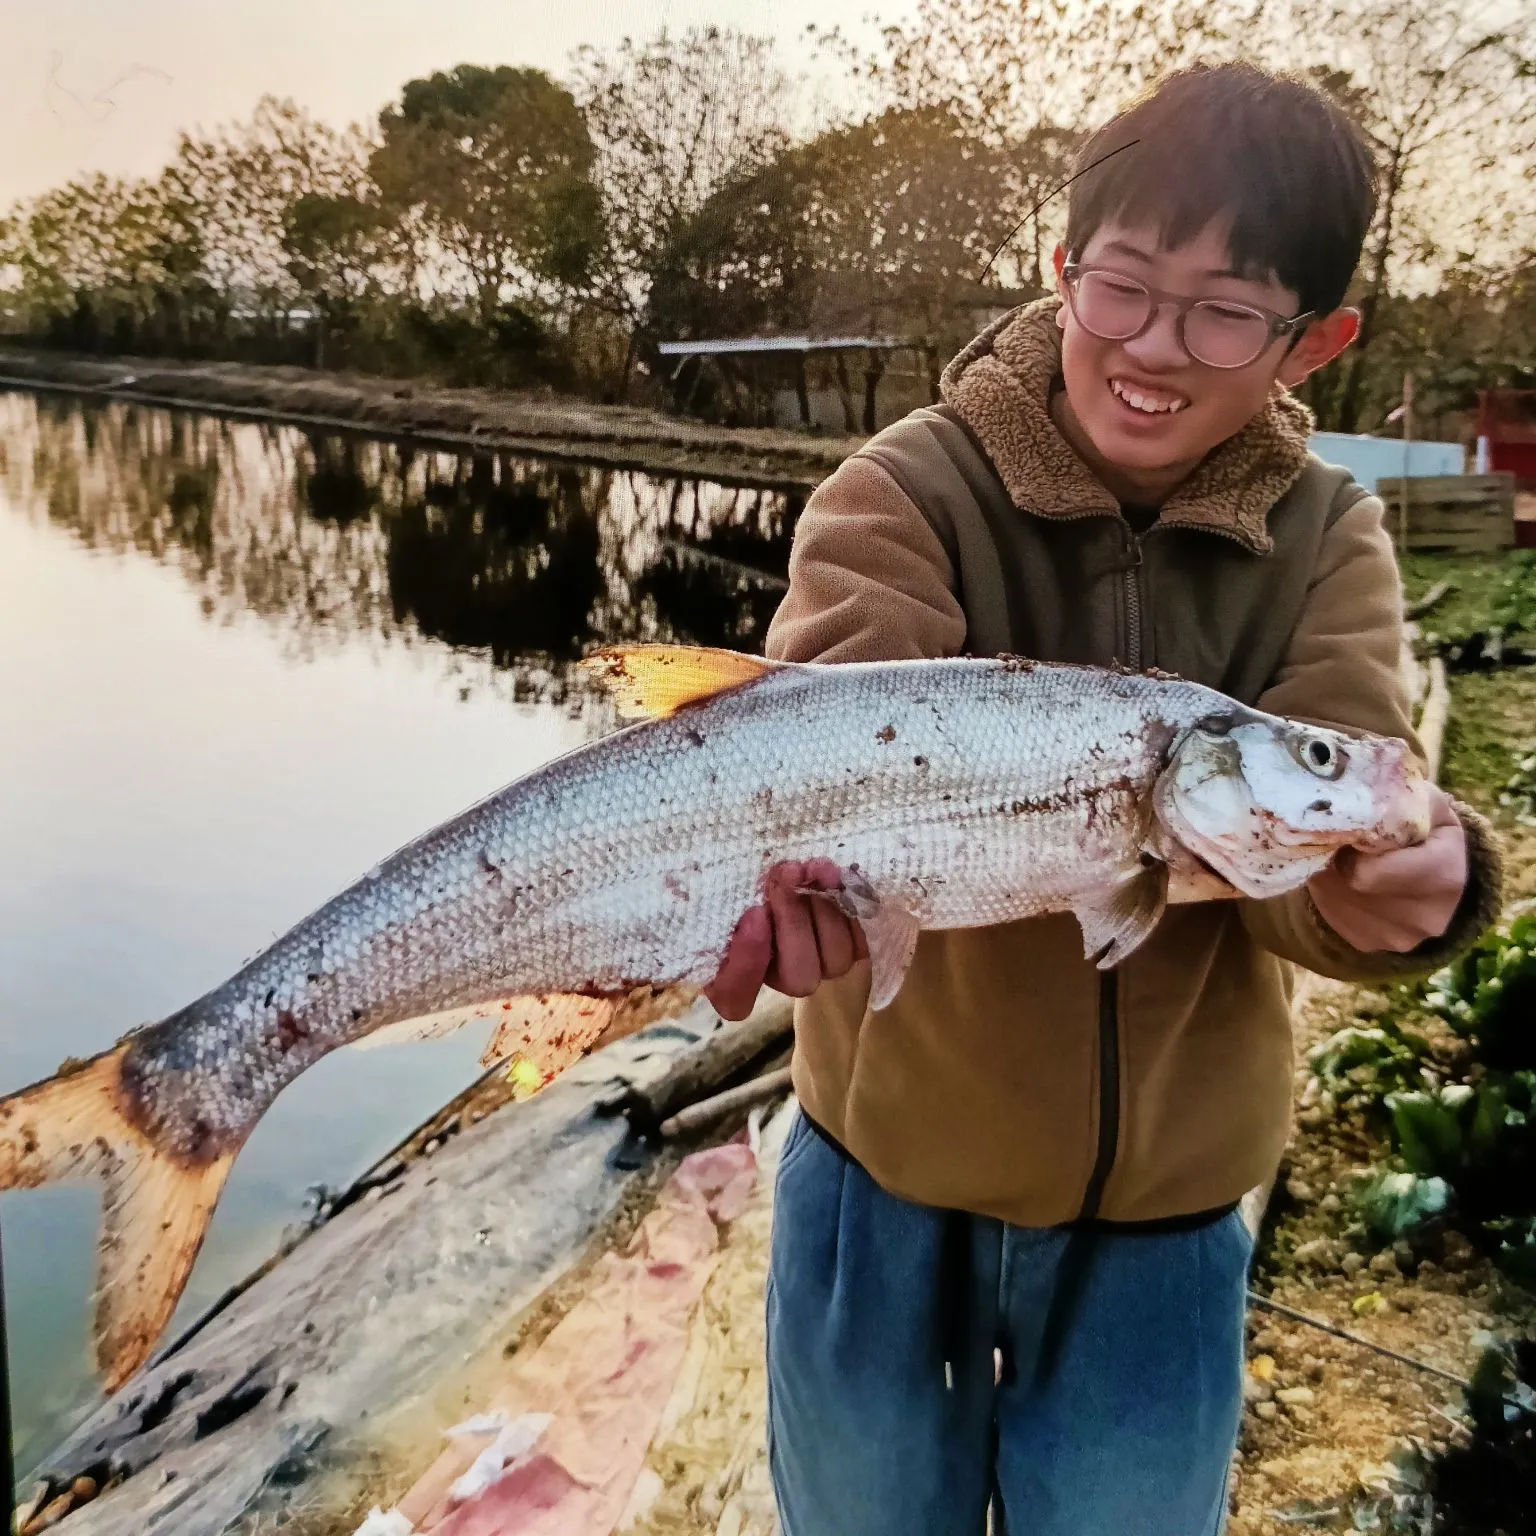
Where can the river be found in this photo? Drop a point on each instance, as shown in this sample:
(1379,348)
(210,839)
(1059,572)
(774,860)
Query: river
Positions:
(238,664)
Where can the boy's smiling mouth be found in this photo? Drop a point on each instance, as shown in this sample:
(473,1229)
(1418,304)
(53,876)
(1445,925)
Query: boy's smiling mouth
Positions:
(1147,401)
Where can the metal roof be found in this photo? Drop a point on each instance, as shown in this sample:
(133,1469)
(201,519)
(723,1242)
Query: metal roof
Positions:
(726,345)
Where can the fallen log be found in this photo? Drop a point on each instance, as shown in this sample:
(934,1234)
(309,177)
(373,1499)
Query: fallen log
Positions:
(707,1111)
(1437,710)
(732,1053)
(1436,594)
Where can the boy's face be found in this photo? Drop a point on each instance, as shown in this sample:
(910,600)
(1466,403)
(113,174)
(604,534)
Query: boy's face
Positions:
(1186,408)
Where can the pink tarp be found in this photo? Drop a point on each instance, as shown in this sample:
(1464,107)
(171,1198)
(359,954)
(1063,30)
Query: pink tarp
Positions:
(603,1375)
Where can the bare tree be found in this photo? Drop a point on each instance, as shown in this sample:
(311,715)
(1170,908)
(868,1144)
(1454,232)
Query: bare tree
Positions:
(1446,95)
(674,120)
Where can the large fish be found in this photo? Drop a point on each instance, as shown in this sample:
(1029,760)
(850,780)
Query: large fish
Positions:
(601,890)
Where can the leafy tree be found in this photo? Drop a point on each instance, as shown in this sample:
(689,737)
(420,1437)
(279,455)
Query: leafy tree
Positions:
(491,167)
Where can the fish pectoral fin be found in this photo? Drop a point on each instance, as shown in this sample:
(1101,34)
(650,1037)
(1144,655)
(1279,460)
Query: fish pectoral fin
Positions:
(1116,924)
(648,682)
(156,1205)
(890,933)
(547,1032)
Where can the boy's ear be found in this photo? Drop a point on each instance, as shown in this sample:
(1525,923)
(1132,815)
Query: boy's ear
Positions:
(1318,345)
(1058,261)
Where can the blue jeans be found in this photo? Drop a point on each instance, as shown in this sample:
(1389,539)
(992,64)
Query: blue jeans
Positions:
(1130,1433)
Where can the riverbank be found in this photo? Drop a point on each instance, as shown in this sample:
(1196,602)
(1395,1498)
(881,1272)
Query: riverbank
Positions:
(620,437)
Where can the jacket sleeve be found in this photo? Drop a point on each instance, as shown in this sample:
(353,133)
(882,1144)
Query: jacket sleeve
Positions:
(868,578)
(1345,667)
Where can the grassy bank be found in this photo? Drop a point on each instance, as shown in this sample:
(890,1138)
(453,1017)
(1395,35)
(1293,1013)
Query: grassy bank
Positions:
(621,437)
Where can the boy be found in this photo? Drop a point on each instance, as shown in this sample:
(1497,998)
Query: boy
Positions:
(1021,1154)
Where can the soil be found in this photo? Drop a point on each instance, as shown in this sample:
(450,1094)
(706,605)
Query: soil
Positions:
(1329,1448)
(622,437)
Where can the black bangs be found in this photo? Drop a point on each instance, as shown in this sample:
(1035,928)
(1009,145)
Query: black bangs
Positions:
(1268,158)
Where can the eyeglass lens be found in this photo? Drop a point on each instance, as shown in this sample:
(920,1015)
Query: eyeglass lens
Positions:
(1220,335)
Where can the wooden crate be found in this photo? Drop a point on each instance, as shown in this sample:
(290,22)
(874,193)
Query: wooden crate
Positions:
(1455,512)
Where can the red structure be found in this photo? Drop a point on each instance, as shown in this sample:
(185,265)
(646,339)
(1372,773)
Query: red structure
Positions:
(1507,418)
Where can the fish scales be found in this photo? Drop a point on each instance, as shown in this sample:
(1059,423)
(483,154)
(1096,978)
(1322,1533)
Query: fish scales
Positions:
(980,792)
(955,793)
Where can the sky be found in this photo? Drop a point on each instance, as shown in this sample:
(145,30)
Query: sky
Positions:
(90,85)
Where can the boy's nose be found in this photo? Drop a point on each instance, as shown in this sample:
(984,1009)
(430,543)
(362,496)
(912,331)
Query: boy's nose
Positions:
(1158,346)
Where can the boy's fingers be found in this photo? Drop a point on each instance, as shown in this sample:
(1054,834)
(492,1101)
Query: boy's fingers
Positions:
(796,967)
(841,940)
(834,937)
(733,992)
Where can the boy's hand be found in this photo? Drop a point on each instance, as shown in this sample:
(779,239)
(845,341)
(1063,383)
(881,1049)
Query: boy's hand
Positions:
(792,943)
(1397,900)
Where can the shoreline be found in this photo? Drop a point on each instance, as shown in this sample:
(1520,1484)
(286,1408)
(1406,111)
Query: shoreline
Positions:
(484,420)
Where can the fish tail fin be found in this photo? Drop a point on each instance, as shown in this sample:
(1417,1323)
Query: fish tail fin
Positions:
(156,1206)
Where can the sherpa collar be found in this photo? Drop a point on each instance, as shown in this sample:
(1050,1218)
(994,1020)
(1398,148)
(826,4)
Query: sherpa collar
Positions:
(1001,386)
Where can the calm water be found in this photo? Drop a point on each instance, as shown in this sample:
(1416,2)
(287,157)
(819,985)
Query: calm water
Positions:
(237,665)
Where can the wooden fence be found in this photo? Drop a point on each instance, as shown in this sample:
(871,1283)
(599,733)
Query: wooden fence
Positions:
(1455,512)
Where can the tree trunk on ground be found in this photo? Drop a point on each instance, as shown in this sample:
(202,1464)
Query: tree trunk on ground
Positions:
(845,393)
(873,372)
(1370,305)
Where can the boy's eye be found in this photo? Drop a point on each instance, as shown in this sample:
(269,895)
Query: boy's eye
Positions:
(1228,314)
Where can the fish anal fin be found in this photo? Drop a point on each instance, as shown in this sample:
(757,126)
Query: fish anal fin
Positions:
(548,1032)
(652,681)
(1116,923)
(890,934)
(156,1206)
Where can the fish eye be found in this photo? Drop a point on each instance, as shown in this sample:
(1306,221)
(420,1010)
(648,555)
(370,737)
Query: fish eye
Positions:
(1321,757)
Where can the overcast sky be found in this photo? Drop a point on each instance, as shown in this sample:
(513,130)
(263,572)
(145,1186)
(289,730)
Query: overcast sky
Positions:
(105,84)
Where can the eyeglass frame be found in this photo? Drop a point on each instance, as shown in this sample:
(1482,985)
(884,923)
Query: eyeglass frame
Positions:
(1160,299)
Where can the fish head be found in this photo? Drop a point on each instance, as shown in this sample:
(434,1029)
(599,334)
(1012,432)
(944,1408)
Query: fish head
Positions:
(1267,802)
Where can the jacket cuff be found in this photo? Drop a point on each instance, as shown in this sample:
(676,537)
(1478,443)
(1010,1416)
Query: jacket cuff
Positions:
(1480,906)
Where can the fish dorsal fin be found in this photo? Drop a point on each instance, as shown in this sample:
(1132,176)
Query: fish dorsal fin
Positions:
(648,682)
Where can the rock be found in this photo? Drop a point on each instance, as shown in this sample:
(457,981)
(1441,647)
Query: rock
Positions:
(1265,1411)
(1318,1251)
(1267,1341)
(1458,1254)
(1352,1264)
(1275,1467)
(1256,1391)
(1262,1367)
(1301,1416)
(1296,1397)
(1330,1204)
(1385,1264)
(1299,1191)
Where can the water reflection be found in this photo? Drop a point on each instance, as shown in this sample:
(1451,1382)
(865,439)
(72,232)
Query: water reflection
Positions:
(531,562)
(300,651)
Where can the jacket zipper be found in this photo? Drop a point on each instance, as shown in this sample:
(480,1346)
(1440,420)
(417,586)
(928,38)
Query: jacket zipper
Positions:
(1109,981)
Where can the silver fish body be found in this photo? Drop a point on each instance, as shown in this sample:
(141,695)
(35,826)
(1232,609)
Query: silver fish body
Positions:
(955,793)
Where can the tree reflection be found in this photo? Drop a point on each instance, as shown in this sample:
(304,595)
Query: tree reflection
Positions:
(530,562)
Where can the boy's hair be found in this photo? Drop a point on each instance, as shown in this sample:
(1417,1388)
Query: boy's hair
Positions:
(1273,154)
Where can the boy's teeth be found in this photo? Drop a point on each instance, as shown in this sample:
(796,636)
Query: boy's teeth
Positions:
(1151,404)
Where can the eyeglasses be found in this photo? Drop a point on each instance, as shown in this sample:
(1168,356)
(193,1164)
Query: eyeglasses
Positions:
(1217,332)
